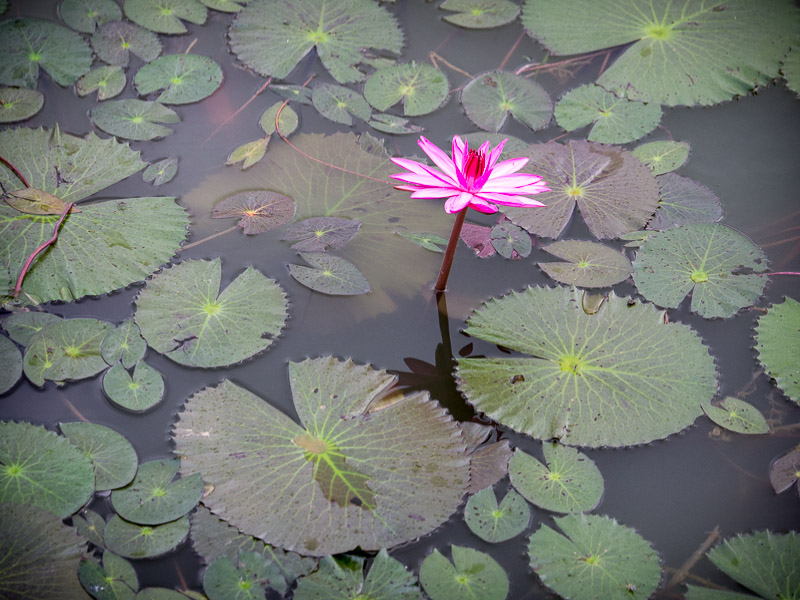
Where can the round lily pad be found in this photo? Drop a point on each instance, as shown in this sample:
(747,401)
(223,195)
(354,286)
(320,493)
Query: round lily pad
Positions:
(144,541)
(480,14)
(247,577)
(161,172)
(185,78)
(116,40)
(124,344)
(318,234)
(594,557)
(285,114)
(510,241)
(339,104)
(716,264)
(22,326)
(10,364)
(114,459)
(133,119)
(42,469)
(137,393)
(472,574)
(115,580)
(329,274)
(248,154)
(165,16)
(91,526)
(778,346)
(183,314)
(329,484)
(259,210)
(567,482)
(87,15)
(491,97)
(107,81)
(683,202)
(495,523)
(422,88)
(18,104)
(621,376)
(588,264)
(662,157)
(737,416)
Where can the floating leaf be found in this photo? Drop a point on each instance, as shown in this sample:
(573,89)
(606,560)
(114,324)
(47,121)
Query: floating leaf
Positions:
(185,78)
(36,202)
(272,36)
(115,580)
(491,97)
(245,578)
(156,593)
(40,555)
(22,326)
(615,120)
(250,153)
(133,119)
(429,241)
(91,526)
(595,557)
(318,234)
(421,88)
(183,315)
(716,264)
(618,377)
(683,202)
(298,93)
(480,14)
(568,482)
(317,480)
(114,459)
(287,119)
(27,44)
(260,210)
(115,40)
(790,69)
(479,239)
(614,191)
(10,364)
(510,241)
(676,54)
(165,16)
(784,472)
(125,344)
(107,81)
(66,350)
(737,416)
(778,346)
(488,465)
(635,239)
(88,15)
(139,393)
(329,274)
(393,124)
(42,469)
(662,157)
(18,104)
(340,104)
(472,574)
(229,6)
(588,264)
(161,172)
(495,523)
(144,541)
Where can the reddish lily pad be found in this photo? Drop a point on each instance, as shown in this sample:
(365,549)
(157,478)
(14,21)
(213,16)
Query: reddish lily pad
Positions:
(318,234)
(259,210)
(785,472)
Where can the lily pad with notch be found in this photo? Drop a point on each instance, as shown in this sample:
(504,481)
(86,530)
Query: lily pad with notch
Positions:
(91,526)
(663,156)
(134,119)
(784,472)
(161,172)
(588,264)
(245,577)
(165,16)
(184,78)
(10,364)
(286,116)
(144,541)
(429,241)
(87,15)
(778,345)
(115,579)
(112,455)
(318,234)
(19,103)
(493,522)
(480,14)
(684,202)
(329,274)
(116,40)
(260,210)
(737,416)
(472,574)
(107,81)
(134,393)
(387,123)
(22,326)
(248,153)
(124,344)
(228,6)
(422,88)
(510,241)
(339,104)
(489,98)
(296,93)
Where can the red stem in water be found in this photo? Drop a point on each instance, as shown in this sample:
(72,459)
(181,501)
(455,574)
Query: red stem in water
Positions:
(449,253)
(15,171)
(28,262)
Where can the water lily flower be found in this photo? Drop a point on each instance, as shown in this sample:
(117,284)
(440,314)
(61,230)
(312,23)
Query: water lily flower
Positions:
(469,179)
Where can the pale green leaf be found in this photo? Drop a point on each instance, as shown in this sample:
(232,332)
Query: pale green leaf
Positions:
(164,16)
(393,124)
(10,364)
(91,526)
(329,274)
(683,202)
(287,122)
(340,104)
(161,172)
(22,326)
(472,575)
(228,6)
(778,346)
(115,580)
(790,69)
(125,344)
(429,241)
(115,41)
(244,578)
(107,81)
(144,541)
(496,523)
(18,104)
(480,14)
(421,88)
(491,97)
(664,156)
(588,264)
(184,78)
(248,154)
(737,416)
(113,457)
(137,393)
(87,15)
(133,119)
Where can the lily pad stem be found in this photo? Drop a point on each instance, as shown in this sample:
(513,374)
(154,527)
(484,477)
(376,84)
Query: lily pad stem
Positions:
(15,171)
(33,255)
(450,251)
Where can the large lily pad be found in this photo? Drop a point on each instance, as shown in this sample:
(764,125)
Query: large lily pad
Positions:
(737,415)
(116,40)
(614,191)
(134,119)
(662,157)
(595,557)
(18,104)
(716,264)
(618,377)
(185,78)
(472,575)
(183,314)
(339,104)
(588,264)
(113,457)
(360,479)
(87,15)
(165,16)
(28,44)
(496,523)
(259,210)
(42,469)
(422,88)
(329,274)
(679,53)
(135,393)
(10,364)
(778,346)
(272,36)
(491,97)
(144,541)
(480,14)
(683,202)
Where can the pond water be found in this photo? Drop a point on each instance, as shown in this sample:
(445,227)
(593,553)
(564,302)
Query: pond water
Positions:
(674,492)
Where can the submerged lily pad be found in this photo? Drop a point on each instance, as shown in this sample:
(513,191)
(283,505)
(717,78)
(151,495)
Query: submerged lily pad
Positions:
(22,326)
(620,376)
(588,264)
(113,457)
(185,78)
(317,234)
(784,472)
(480,14)
(472,574)
(165,16)
(125,344)
(683,202)
(116,40)
(339,104)
(10,364)
(495,523)
(161,172)
(737,416)
(595,557)
(662,157)
(716,264)
(18,104)
(91,526)
(778,346)
(422,88)
(329,274)
(490,98)
(134,119)
(183,315)
(330,484)
(429,241)
(107,81)
(115,580)
(144,541)
(137,393)
(87,15)
(260,210)
(393,124)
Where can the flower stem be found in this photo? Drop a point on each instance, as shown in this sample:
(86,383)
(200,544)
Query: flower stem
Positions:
(449,253)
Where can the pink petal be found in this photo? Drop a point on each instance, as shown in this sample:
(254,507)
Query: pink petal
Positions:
(411,165)
(482,205)
(509,166)
(439,158)
(495,154)
(510,200)
(458,203)
(430,192)
(422,180)
(460,148)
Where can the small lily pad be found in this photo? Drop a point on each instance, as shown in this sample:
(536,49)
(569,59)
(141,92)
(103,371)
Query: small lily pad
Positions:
(116,40)
(10,364)
(737,416)
(429,241)
(87,15)
(287,121)
(137,393)
(567,482)
(161,172)
(329,274)
(133,119)
(318,234)
(248,154)
(478,239)
(260,210)
(115,580)
(297,93)
(144,541)
(422,88)
(510,241)
(245,578)
(18,104)
(340,104)
(107,81)
(495,523)
(489,98)
(784,472)
(22,326)
(91,526)
(472,574)
(113,457)
(185,78)
(778,346)
(125,344)
(480,14)
(393,124)
(228,6)
(662,157)
(165,16)
(684,202)
(32,201)
(588,264)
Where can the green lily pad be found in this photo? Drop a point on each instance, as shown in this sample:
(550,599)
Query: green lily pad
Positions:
(664,156)
(113,457)
(342,578)
(621,376)
(183,315)
(784,472)
(340,104)
(318,234)
(716,264)
(248,154)
(272,36)
(10,364)
(245,578)
(22,326)
(588,264)
(480,14)
(125,344)
(737,416)
(778,345)
(790,69)
(676,54)
(595,557)
(614,120)
(259,210)
(165,16)
(495,523)
(318,479)
(90,525)
(18,104)
(107,81)
(567,482)
(422,88)
(161,172)
(472,574)
(116,40)
(489,98)
(28,44)
(137,393)
(42,469)
(115,580)
(157,593)
(429,241)
(297,93)
(329,274)
(144,541)
(153,497)
(40,555)
(510,241)
(684,202)
(133,119)
(393,124)
(287,121)
(614,191)
(88,15)
(228,6)
(185,78)
(66,350)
